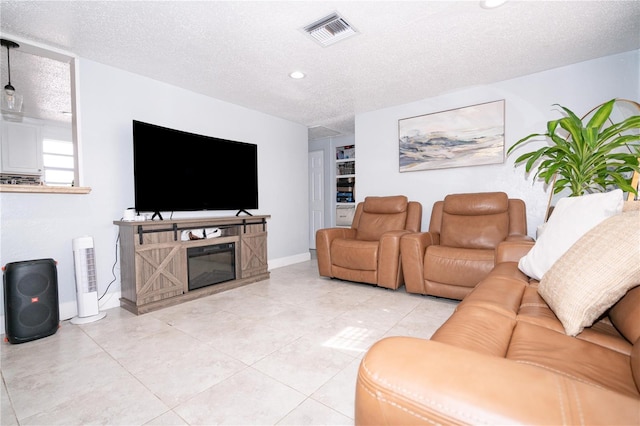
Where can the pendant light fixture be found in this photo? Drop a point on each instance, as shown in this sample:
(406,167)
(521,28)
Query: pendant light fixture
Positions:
(11,102)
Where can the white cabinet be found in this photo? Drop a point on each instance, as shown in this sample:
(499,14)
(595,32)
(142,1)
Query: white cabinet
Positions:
(21,150)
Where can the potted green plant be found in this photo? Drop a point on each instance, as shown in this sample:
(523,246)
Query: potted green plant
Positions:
(586,157)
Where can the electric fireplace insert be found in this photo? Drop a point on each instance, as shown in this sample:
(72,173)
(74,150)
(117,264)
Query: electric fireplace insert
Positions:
(209,265)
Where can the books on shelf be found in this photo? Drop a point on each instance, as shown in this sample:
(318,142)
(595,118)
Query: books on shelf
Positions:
(344,152)
(346,168)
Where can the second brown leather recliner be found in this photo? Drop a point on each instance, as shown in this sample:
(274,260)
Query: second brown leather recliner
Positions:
(459,249)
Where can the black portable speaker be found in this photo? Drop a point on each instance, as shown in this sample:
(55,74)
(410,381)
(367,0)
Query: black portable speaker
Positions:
(30,300)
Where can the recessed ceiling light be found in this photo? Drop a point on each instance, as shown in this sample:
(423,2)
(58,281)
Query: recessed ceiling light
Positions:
(492,4)
(297,75)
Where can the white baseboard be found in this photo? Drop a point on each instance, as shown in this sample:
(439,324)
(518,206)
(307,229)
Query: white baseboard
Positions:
(68,310)
(286,261)
(110,300)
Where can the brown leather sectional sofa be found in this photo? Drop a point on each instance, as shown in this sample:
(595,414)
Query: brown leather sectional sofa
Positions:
(503,358)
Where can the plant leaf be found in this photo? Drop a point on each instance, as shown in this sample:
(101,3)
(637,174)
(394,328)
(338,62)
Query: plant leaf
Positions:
(585,158)
(601,115)
(523,140)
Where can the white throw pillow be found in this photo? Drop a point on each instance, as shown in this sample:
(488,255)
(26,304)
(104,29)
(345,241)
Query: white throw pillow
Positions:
(571,218)
(595,272)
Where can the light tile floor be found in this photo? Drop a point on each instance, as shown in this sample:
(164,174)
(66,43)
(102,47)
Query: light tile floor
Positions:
(281,351)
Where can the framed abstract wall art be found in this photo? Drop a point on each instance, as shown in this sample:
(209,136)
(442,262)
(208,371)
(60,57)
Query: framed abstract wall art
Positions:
(468,136)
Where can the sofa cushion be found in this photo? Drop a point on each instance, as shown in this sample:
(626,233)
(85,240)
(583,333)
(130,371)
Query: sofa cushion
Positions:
(380,215)
(501,294)
(482,203)
(478,329)
(385,205)
(476,232)
(457,266)
(625,315)
(373,226)
(571,218)
(354,254)
(586,361)
(478,221)
(595,272)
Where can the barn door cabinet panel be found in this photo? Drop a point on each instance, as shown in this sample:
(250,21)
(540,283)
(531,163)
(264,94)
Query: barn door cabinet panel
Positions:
(254,251)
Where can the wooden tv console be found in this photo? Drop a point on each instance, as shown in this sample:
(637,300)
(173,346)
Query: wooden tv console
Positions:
(153,258)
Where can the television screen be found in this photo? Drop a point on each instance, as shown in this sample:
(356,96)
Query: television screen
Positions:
(180,171)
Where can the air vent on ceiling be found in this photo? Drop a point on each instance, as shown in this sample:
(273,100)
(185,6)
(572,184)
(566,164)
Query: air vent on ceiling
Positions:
(330,29)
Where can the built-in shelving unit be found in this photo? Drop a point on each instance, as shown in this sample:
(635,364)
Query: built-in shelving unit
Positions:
(345,184)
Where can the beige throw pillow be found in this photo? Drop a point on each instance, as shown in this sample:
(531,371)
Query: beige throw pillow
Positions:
(571,218)
(595,272)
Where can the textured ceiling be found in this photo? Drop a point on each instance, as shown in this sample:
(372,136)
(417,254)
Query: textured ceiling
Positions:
(243,51)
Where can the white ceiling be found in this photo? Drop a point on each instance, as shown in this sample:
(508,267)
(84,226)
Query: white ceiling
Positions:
(243,51)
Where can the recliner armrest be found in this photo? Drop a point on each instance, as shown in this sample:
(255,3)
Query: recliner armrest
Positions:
(389,270)
(324,237)
(513,250)
(337,232)
(519,238)
(436,383)
(412,249)
(422,240)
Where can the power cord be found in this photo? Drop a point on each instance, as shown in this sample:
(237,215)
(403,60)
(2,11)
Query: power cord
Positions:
(113,272)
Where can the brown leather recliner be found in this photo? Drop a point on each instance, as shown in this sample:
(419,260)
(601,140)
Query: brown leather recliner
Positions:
(459,249)
(369,251)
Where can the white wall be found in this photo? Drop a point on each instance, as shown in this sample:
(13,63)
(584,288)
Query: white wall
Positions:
(43,225)
(528,106)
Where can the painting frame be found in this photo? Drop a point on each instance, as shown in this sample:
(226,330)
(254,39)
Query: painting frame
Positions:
(461,137)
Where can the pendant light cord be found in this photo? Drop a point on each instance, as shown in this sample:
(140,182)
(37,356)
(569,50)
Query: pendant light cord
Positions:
(8,67)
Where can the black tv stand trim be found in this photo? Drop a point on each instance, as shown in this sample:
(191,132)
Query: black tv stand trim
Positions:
(156,213)
(243,210)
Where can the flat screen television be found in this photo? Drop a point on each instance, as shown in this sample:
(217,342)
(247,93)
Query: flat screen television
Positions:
(180,171)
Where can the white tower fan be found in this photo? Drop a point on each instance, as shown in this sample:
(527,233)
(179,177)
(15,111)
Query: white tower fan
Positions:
(86,285)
